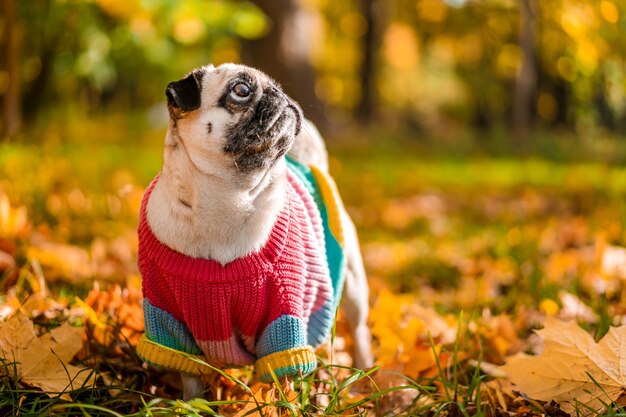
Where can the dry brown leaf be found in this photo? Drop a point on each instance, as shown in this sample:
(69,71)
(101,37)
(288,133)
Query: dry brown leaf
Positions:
(43,361)
(253,402)
(259,402)
(121,306)
(6,261)
(61,262)
(564,371)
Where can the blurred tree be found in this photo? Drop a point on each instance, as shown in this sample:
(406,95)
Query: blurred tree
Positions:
(11,46)
(89,55)
(372,12)
(526,80)
(285,54)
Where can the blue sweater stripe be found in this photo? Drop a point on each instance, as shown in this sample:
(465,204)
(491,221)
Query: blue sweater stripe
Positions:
(284,333)
(320,323)
(164,329)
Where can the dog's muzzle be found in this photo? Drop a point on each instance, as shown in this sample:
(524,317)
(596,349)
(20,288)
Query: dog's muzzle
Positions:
(276,109)
(266,133)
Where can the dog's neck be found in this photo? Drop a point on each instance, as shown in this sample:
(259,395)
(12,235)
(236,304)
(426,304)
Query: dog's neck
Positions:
(211,217)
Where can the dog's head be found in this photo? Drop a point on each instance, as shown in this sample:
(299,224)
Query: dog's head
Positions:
(231,117)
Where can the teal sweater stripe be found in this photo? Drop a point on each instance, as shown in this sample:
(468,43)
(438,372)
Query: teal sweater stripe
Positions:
(284,333)
(335,255)
(165,330)
(320,323)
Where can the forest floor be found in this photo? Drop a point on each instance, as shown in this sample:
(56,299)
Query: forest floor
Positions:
(467,256)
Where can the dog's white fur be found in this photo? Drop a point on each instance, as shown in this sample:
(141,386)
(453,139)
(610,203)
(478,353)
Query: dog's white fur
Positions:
(203,207)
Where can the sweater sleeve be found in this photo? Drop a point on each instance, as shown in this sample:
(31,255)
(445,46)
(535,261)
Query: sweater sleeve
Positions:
(282,349)
(168,343)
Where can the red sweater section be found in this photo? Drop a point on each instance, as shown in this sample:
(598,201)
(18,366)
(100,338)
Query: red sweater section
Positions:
(288,276)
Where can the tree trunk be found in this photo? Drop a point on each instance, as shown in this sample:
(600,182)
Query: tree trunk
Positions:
(370,45)
(284,54)
(526,81)
(11,49)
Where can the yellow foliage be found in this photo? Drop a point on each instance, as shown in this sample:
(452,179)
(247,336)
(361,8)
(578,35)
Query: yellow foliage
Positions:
(587,57)
(124,9)
(353,24)
(400,47)
(13,220)
(120,307)
(562,266)
(578,20)
(188,29)
(432,10)
(404,331)
(143,27)
(469,48)
(549,307)
(397,334)
(609,11)
(566,68)
(508,61)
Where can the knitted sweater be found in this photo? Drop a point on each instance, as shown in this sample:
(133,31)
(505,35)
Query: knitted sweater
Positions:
(272,307)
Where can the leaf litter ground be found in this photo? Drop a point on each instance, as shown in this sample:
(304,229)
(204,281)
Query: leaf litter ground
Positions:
(465,260)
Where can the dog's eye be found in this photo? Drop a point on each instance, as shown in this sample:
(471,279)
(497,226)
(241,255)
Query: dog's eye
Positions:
(240,91)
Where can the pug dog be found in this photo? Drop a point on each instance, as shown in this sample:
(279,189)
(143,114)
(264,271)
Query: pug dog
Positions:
(244,244)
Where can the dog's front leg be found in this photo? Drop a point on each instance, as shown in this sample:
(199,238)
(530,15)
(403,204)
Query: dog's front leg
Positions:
(192,386)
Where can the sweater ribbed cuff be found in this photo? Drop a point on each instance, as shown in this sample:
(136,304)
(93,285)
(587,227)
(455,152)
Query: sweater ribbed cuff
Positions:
(290,362)
(168,358)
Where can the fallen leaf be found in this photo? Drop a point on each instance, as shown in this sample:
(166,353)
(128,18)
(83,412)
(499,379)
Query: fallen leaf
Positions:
(257,405)
(43,361)
(62,262)
(500,337)
(613,261)
(569,365)
(575,308)
(115,308)
(13,220)
(404,329)
(6,261)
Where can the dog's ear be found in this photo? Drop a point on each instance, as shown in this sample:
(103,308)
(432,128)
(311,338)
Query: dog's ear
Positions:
(184,94)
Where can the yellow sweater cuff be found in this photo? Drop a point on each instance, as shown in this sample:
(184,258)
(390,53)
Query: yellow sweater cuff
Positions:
(290,362)
(168,358)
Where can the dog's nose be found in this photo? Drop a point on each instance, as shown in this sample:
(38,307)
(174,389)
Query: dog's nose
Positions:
(277,92)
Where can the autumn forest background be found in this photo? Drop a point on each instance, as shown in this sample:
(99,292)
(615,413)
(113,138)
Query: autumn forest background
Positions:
(478,145)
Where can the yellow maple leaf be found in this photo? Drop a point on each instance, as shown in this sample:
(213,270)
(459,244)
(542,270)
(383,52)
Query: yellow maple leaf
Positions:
(260,404)
(403,331)
(573,369)
(43,361)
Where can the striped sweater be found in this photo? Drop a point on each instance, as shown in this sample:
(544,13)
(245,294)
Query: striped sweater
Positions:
(272,307)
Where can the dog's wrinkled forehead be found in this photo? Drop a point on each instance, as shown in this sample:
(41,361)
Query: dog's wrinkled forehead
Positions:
(230,86)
